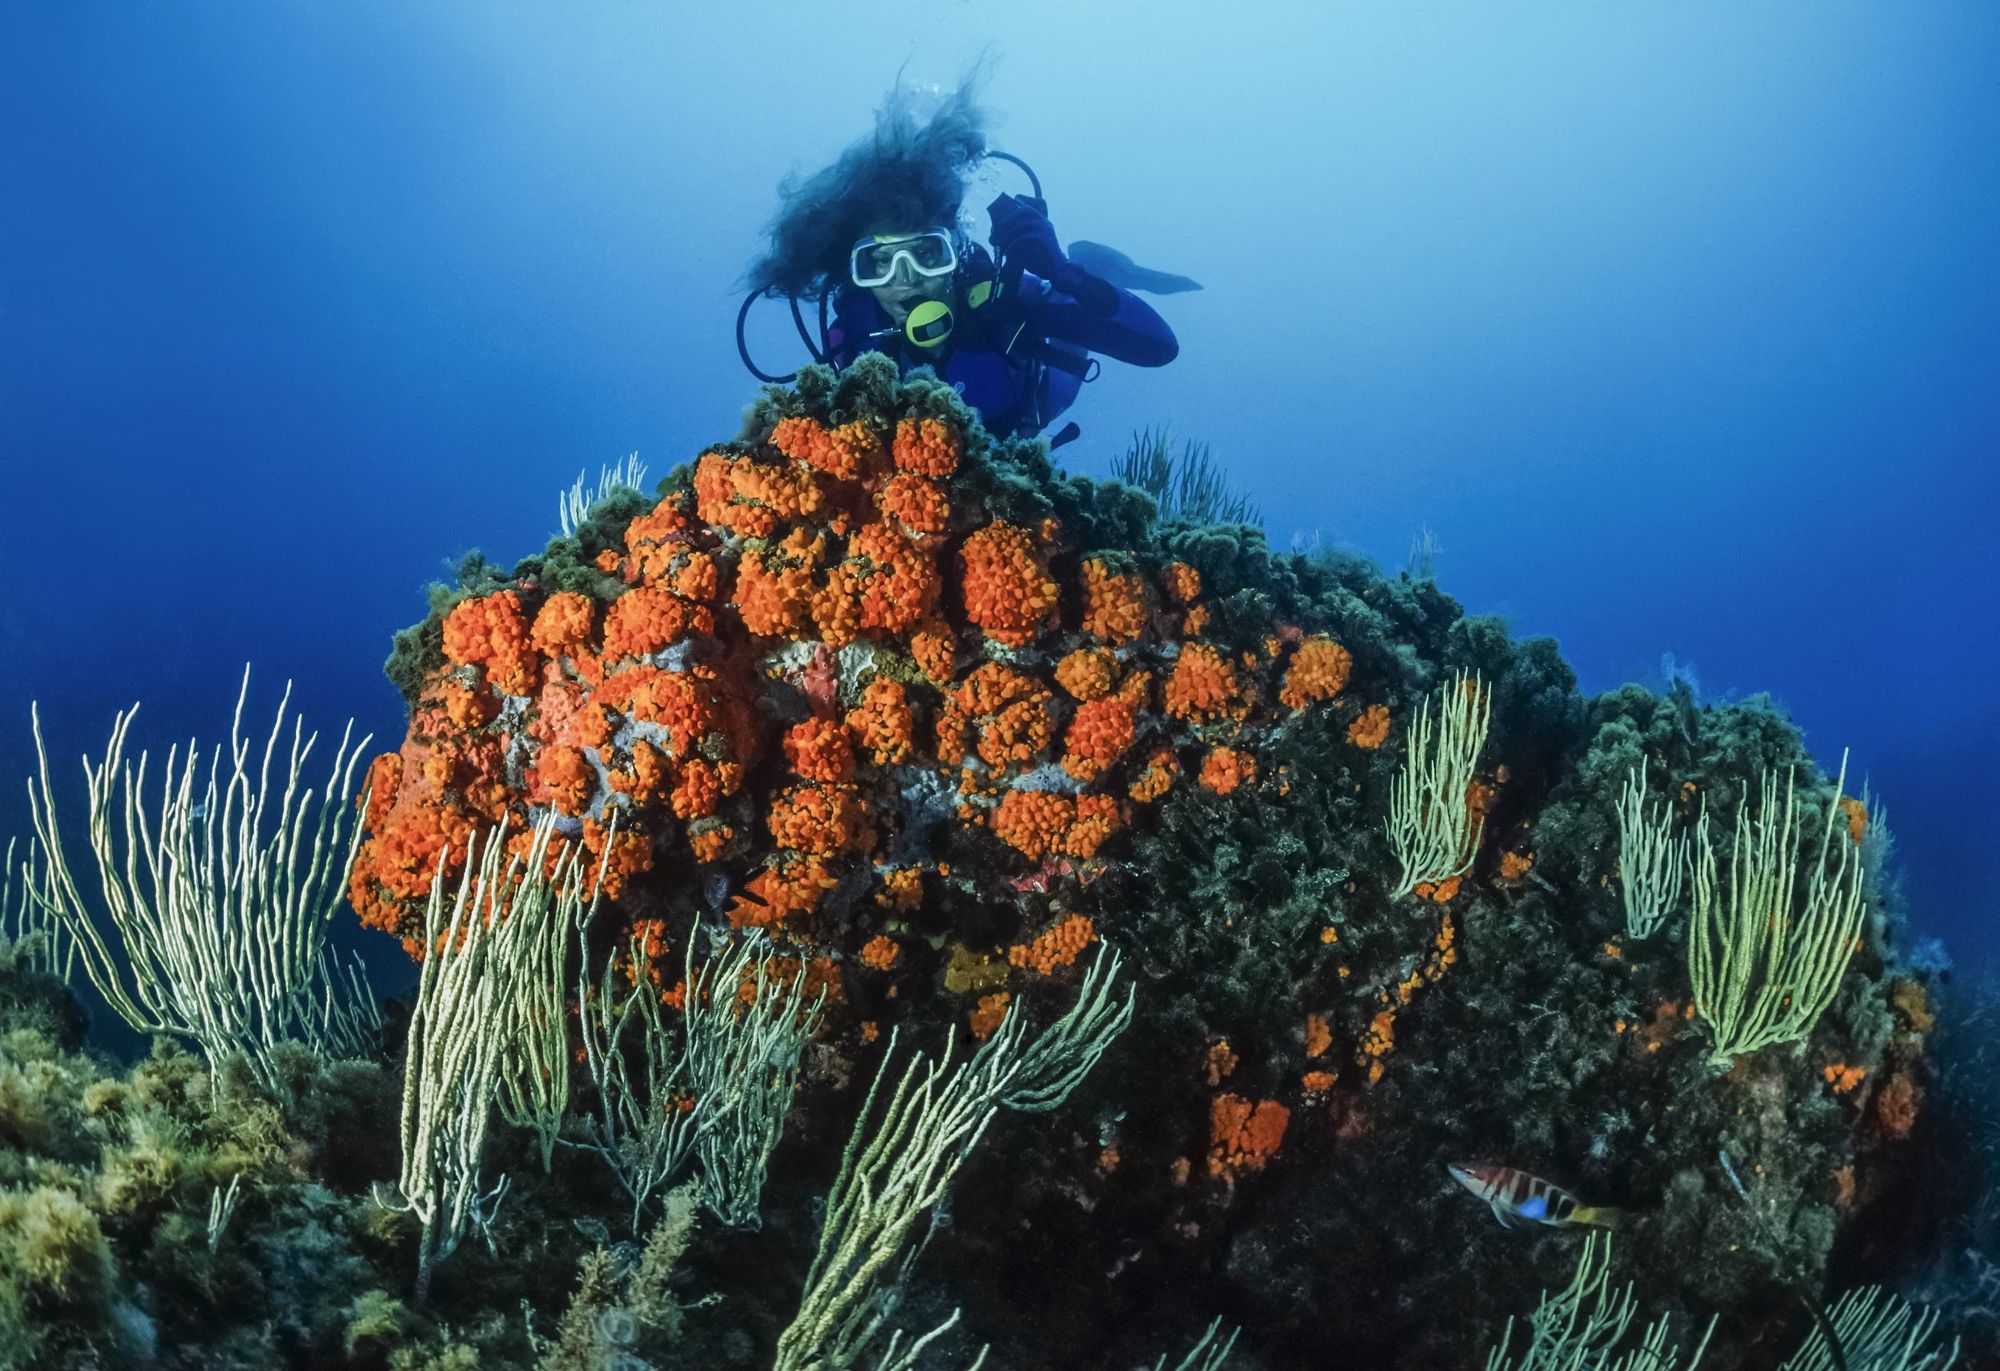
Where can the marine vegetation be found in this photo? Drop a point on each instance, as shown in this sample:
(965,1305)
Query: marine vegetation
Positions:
(881,901)
(1187,485)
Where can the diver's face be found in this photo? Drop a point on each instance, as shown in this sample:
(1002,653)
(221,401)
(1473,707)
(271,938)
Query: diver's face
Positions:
(907,289)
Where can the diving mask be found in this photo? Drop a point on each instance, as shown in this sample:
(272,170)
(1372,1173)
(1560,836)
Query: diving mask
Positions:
(874,259)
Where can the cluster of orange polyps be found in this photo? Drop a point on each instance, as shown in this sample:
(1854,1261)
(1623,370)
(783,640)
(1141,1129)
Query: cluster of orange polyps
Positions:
(1243,1134)
(770,657)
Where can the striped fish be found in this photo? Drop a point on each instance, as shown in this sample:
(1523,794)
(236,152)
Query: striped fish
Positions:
(1518,1198)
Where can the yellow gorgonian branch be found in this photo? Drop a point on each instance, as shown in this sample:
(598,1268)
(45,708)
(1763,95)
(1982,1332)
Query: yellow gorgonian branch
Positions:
(1764,962)
(1432,830)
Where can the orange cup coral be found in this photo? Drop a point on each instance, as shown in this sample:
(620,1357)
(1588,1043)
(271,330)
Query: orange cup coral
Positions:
(1226,768)
(1033,822)
(1098,736)
(1318,672)
(1182,582)
(1114,604)
(1087,673)
(1008,592)
(1370,728)
(646,619)
(916,504)
(1156,778)
(926,447)
(883,724)
(820,820)
(880,953)
(1054,947)
(563,623)
(1202,687)
(819,751)
(491,633)
(1243,1136)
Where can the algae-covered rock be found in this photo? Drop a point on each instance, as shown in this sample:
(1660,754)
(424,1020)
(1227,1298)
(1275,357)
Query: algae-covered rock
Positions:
(1162,735)
(938,719)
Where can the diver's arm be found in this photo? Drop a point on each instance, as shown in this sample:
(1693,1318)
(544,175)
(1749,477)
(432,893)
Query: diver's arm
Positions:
(1062,301)
(855,317)
(1133,332)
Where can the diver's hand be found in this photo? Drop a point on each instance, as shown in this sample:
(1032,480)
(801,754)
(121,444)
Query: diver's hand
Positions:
(1022,234)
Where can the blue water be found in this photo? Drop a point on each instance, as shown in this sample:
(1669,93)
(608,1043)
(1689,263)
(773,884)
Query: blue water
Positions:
(1679,325)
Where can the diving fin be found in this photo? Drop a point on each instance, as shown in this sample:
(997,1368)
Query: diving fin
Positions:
(1109,264)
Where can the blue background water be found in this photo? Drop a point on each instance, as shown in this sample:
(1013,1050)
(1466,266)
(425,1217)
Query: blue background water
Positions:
(1676,323)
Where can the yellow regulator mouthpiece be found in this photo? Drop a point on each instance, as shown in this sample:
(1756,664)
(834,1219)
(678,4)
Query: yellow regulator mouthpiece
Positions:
(929,324)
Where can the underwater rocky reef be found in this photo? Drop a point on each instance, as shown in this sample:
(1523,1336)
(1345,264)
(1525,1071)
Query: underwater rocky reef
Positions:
(885,902)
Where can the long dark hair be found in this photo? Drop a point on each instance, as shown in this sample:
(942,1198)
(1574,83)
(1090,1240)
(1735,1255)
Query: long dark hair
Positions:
(910,173)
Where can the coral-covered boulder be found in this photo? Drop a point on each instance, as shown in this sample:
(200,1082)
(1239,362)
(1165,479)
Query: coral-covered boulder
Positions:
(938,717)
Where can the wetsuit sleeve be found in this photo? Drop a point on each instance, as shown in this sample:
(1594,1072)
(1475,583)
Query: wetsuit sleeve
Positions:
(839,347)
(854,317)
(1133,333)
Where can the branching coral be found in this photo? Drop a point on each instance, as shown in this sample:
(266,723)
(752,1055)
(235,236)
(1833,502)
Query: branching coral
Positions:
(1430,827)
(211,919)
(1652,862)
(1764,963)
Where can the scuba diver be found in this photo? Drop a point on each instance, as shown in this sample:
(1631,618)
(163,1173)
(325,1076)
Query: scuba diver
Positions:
(877,238)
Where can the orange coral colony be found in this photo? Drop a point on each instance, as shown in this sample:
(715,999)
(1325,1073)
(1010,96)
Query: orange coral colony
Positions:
(1114,605)
(1055,947)
(829,684)
(747,593)
(1202,687)
(1007,590)
(1226,768)
(1370,728)
(1243,1136)
(1318,671)
(944,728)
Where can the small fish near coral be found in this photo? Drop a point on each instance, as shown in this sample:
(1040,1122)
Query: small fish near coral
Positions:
(1518,1198)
